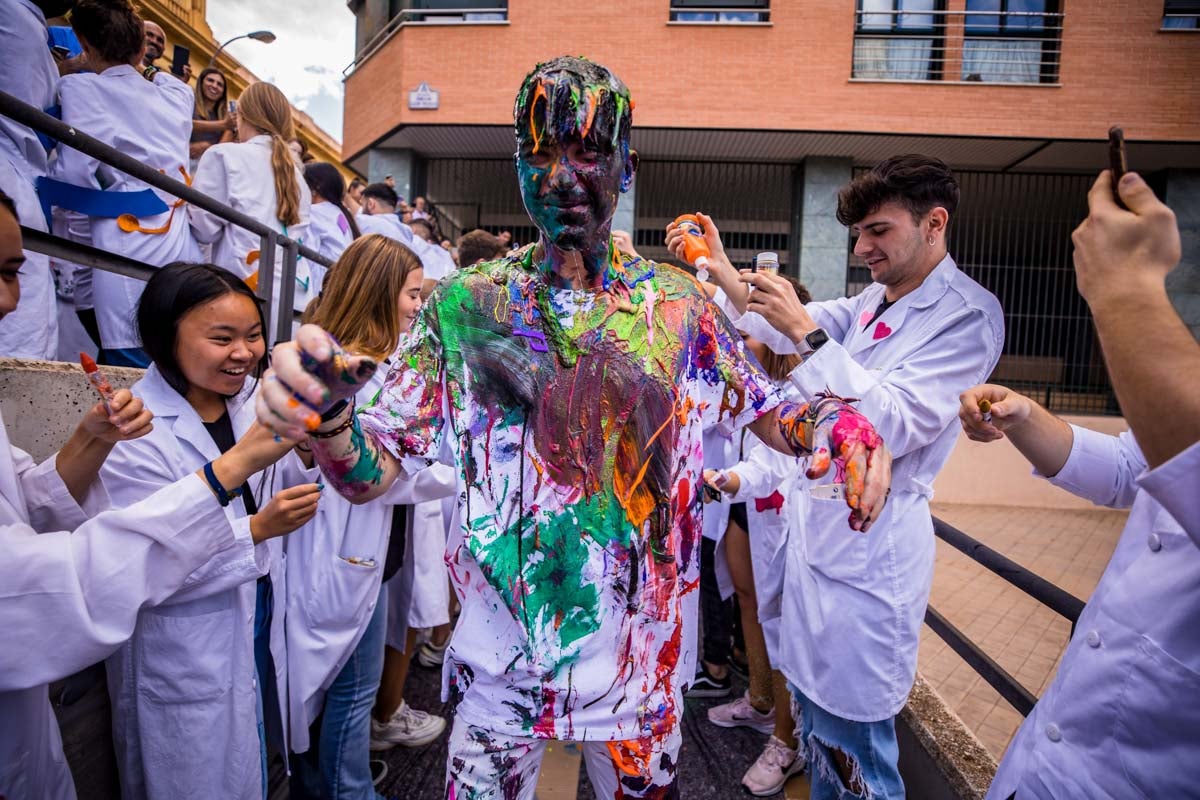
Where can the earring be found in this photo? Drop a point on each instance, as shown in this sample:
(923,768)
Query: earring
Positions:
(930,240)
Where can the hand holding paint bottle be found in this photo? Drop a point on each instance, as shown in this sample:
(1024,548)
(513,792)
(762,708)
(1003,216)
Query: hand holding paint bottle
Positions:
(119,416)
(695,249)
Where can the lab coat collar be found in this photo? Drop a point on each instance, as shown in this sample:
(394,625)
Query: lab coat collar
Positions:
(122,70)
(891,321)
(171,408)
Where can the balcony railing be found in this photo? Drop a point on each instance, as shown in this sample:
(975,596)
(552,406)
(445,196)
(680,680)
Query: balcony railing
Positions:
(728,13)
(479,14)
(958,46)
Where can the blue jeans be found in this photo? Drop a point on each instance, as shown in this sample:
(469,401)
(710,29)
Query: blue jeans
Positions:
(337,765)
(870,751)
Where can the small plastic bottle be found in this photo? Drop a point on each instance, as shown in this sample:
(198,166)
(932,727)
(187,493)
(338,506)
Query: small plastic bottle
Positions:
(695,249)
(767,262)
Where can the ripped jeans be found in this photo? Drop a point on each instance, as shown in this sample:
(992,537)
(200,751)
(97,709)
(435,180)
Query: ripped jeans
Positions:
(848,760)
(485,765)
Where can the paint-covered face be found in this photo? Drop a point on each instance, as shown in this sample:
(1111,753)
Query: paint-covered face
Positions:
(409,302)
(571,189)
(890,242)
(11,260)
(219,343)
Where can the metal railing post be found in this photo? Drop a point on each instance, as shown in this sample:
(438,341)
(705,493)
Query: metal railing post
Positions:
(266,276)
(287,290)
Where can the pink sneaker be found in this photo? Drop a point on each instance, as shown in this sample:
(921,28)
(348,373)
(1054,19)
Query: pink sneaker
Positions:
(740,714)
(770,772)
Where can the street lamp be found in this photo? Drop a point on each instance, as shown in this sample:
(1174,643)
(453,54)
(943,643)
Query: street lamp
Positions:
(266,37)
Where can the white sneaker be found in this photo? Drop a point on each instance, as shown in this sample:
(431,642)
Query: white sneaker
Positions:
(407,727)
(740,714)
(432,655)
(770,772)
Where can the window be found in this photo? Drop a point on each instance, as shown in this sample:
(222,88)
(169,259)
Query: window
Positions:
(1181,15)
(899,40)
(1011,41)
(450,10)
(732,11)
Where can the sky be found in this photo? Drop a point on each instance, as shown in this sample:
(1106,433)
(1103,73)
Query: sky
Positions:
(315,42)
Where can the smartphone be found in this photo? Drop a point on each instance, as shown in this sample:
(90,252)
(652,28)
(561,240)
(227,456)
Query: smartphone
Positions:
(180,60)
(712,494)
(1117,162)
(59,52)
(232,107)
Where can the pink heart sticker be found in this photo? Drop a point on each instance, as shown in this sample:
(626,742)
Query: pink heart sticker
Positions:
(864,319)
(882,331)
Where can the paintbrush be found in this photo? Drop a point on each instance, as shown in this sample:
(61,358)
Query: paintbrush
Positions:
(98,380)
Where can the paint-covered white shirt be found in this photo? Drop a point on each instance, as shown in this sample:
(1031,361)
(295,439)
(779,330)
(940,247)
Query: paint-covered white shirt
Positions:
(575,418)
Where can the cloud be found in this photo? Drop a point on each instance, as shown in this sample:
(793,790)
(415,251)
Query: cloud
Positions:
(315,42)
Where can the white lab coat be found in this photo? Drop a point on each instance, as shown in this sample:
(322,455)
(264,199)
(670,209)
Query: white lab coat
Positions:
(28,72)
(1122,717)
(239,174)
(330,600)
(157,135)
(69,597)
(329,234)
(853,604)
(183,688)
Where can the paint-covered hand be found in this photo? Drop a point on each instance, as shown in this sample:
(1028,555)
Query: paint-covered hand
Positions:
(774,298)
(725,481)
(308,375)
(987,411)
(128,419)
(842,436)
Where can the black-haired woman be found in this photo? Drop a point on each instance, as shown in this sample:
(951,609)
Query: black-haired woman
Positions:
(185,690)
(331,226)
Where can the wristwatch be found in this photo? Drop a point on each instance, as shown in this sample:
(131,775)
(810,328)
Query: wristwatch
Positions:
(812,342)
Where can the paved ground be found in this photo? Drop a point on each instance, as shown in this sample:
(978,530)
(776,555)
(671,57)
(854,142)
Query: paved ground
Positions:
(1069,548)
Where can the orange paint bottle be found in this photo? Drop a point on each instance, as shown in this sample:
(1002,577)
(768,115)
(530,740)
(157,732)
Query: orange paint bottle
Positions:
(695,249)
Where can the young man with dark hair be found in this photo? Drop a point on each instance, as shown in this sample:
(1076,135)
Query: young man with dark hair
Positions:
(572,385)
(378,215)
(477,246)
(907,346)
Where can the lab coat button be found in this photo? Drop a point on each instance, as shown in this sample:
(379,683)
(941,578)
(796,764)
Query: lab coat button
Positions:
(1093,638)
(1155,542)
(1053,733)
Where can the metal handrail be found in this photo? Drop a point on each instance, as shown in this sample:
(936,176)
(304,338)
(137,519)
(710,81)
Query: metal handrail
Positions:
(401,21)
(58,247)
(1037,587)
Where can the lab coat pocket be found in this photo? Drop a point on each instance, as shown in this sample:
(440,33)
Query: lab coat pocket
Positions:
(832,547)
(1157,723)
(186,659)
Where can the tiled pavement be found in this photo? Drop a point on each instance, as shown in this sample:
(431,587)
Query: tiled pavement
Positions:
(1067,548)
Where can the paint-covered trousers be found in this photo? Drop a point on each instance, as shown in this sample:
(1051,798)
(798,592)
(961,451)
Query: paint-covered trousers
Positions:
(849,760)
(485,765)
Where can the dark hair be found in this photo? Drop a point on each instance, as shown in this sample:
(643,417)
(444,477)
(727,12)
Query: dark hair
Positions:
(423,223)
(919,183)
(381,192)
(324,179)
(570,97)
(222,104)
(169,295)
(476,245)
(7,202)
(110,27)
(355,183)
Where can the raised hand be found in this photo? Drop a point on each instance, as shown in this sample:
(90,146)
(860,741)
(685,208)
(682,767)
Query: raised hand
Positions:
(128,419)
(842,436)
(987,411)
(307,376)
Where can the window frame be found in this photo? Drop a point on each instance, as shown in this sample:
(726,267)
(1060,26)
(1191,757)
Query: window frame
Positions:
(936,33)
(1049,34)
(762,8)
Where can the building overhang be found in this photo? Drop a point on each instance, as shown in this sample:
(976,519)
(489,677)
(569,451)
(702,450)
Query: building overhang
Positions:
(1016,154)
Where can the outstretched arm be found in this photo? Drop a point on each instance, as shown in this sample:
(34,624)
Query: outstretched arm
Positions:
(310,376)
(834,432)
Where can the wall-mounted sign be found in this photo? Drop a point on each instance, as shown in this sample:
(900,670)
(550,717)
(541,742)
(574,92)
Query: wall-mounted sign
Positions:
(423,97)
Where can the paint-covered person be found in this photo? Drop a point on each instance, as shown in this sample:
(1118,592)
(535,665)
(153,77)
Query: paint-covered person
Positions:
(1121,718)
(907,346)
(572,385)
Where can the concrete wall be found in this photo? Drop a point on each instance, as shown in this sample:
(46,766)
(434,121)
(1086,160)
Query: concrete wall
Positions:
(995,474)
(42,401)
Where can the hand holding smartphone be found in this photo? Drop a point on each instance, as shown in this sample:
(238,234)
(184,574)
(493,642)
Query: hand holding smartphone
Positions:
(1117,162)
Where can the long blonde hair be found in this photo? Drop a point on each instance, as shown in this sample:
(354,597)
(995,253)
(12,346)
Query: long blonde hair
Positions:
(265,108)
(358,301)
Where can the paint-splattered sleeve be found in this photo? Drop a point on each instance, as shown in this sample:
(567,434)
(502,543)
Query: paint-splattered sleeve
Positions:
(409,413)
(734,389)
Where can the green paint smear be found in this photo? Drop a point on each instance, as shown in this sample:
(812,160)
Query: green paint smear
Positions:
(550,556)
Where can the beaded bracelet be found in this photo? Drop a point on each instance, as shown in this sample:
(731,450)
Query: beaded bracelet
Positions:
(329,434)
